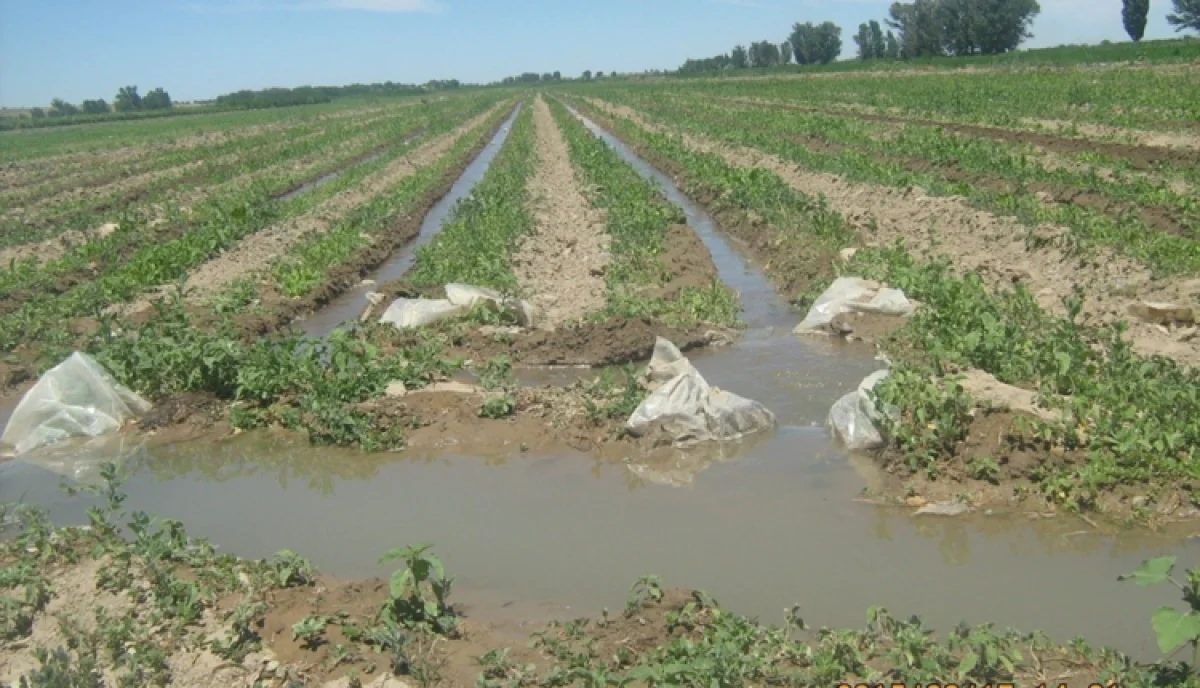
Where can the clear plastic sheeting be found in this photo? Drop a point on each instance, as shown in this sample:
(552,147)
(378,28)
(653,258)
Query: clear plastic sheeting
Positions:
(685,410)
(854,419)
(849,295)
(76,398)
(460,299)
(404,313)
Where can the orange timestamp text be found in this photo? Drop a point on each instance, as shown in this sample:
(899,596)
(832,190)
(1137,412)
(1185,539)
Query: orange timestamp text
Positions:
(955,684)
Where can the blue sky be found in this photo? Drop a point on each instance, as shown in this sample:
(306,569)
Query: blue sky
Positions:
(76,49)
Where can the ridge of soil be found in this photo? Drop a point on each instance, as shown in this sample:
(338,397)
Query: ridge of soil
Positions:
(1140,157)
(998,248)
(55,247)
(256,251)
(1164,218)
(276,311)
(560,264)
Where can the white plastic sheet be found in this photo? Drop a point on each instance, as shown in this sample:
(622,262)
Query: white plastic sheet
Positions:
(470,296)
(75,398)
(851,294)
(687,410)
(420,312)
(460,299)
(854,419)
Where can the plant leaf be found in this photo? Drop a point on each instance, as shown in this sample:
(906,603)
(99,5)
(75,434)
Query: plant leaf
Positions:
(969,661)
(1151,572)
(1173,628)
(399,582)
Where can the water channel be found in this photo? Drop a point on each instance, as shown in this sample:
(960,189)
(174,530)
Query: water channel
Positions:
(760,525)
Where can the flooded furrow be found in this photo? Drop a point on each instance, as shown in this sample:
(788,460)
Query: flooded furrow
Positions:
(330,176)
(351,303)
(761,524)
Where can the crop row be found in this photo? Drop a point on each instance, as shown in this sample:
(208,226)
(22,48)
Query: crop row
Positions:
(314,386)
(71,143)
(783,134)
(1133,418)
(476,242)
(218,224)
(226,151)
(1149,98)
(638,220)
(307,264)
(150,221)
(87,211)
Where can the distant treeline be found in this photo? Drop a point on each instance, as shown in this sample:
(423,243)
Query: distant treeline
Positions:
(922,28)
(311,95)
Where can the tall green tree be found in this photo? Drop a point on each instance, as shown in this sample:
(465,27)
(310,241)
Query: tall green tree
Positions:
(739,58)
(918,28)
(812,44)
(878,46)
(866,49)
(1003,24)
(127,99)
(893,47)
(94,107)
(61,108)
(763,54)
(1186,15)
(158,99)
(1133,15)
(587,75)
(785,52)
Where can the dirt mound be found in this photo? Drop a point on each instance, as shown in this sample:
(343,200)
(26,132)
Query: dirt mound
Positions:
(561,263)
(610,342)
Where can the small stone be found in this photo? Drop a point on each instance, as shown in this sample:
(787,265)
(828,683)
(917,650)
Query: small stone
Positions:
(374,298)
(1139,501)
(451,387)
(395,389)
(368,283)
(272,667)
(847,253)
(1161,313)
(916,501)
(943,509)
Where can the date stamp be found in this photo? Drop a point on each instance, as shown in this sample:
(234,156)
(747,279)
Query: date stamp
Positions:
(957,684)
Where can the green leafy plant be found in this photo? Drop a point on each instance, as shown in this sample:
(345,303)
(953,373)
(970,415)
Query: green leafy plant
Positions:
(419,592)
(1172,627)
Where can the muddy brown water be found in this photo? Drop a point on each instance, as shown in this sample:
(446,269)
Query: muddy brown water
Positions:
(760,524)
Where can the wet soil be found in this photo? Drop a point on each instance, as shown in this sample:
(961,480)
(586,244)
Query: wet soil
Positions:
(561,263)
(1000,249)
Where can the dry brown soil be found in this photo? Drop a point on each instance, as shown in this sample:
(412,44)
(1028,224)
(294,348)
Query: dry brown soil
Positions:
(561,263)
(999,248)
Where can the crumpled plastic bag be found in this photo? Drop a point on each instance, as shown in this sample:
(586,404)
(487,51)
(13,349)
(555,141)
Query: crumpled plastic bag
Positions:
(76,398)
(470,296)
(687,410)
(420,312)
(460,299)
(851,294)
(854,419)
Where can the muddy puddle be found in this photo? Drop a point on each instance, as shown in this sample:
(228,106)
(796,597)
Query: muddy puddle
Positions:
(760,524)
(351,303)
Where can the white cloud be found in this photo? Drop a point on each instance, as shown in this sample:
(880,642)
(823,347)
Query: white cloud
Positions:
(389,6)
